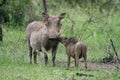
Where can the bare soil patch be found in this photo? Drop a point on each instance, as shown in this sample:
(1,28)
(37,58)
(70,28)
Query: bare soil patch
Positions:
(94,65)
(104,66)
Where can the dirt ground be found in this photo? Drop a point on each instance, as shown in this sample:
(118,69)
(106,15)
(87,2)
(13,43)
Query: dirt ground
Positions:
(95,65)
(104,66)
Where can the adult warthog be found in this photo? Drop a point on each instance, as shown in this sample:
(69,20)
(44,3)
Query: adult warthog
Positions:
(42,36)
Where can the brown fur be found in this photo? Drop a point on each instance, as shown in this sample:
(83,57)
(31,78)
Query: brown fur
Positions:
(39,33)
(75,49)
(38,27)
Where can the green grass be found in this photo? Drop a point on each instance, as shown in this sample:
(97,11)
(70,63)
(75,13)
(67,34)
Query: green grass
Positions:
(27,71)
(14,59)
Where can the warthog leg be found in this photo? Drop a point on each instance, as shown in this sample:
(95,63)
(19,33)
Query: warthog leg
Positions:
(46,58)
(84,51)
(68,60)
(30,51)
(45,55)
(54,50)
(76,60)
(85,62)
(35,57)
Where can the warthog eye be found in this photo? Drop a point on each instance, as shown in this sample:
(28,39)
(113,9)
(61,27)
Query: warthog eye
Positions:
(47,22)
(65,38)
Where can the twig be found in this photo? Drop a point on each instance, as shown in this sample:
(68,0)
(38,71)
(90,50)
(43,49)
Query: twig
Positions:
(114,49)
(44,6)
(87,23)
(73,23)
(108,50)
(91,19)
(1,36)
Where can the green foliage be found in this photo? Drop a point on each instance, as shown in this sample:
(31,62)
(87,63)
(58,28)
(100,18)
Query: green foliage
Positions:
(24,11)
(19,12)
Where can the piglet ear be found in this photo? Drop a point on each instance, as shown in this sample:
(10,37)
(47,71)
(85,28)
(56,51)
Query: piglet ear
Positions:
(73,40)
(62,15)
(45,15)
(67,38)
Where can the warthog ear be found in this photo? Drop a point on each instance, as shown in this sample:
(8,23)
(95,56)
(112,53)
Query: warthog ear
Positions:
(45,15)
(62,15)
(65,38)
(73,40)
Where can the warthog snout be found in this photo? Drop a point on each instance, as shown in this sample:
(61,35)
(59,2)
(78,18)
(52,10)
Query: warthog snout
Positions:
(54,35)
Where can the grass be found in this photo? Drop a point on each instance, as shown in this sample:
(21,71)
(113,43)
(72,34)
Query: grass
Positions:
(40,72)
(14,59)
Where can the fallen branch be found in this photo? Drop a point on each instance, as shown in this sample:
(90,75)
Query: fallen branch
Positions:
(86,75)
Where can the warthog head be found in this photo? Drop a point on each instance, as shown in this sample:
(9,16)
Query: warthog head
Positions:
(67,40)
(53,25)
